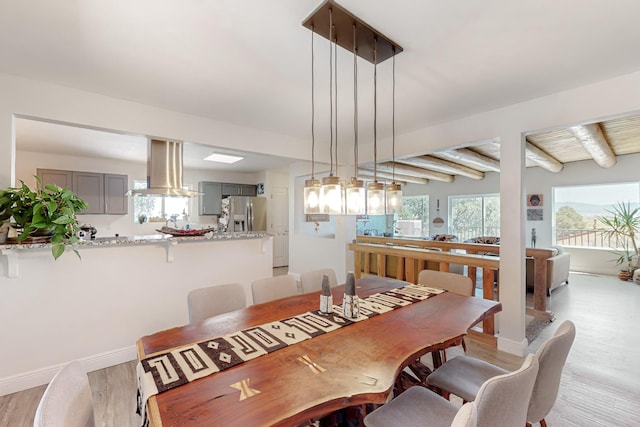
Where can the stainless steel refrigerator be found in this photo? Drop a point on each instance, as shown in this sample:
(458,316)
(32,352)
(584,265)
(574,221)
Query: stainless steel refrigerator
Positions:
(247,214)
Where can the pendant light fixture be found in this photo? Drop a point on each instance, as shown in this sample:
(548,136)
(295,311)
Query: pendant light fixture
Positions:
(375,189)
(356,195)
(331,195)
(394,191)
(312,186)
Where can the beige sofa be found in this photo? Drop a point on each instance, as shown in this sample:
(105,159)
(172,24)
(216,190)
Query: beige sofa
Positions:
(557,270)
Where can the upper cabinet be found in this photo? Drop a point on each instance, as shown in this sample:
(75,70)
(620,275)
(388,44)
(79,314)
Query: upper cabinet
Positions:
(210,201)
(104,193)
(229,189)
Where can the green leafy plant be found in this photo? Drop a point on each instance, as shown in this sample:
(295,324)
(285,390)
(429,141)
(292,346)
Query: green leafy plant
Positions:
(49,211)
(623,225)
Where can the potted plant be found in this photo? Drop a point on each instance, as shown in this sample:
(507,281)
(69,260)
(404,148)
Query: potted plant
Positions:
(623,228)
(45,212)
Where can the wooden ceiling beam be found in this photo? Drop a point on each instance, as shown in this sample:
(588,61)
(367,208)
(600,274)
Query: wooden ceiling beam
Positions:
(594,142)
(367,174)
(470,157)
(415,171)
(441,165)
(542,159)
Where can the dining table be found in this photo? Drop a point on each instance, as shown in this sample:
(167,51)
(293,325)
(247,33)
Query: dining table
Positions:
(346,367)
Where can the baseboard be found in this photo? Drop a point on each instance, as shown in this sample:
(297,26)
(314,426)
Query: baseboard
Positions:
(513,347)
(42,376)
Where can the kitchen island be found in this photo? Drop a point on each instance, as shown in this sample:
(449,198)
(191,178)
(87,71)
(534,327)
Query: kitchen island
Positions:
(95,308)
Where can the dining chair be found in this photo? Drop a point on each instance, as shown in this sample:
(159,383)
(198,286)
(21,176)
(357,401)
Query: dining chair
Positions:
(214,300)
(501,402)
(311,281)
(464,375)
(67,400)
(264,290)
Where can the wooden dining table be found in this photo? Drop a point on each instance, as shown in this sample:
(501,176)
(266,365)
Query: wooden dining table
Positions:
(347,367)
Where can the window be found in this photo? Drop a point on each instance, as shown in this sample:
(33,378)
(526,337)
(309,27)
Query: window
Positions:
(413,221)
(159,208)
(577,208)
(474,216)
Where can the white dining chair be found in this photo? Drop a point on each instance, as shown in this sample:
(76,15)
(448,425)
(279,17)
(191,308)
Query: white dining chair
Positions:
(311,281)
(67,400)
(272,288)
(464,375)
(214,300)
(501,402)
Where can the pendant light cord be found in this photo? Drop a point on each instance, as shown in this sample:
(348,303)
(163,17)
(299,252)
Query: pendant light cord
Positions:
(375,109)
(335,83)
(313,110)
(393,119)
(355,105)
(330,92)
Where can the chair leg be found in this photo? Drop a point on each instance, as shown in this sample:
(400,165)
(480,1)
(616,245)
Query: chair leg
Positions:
(543,423)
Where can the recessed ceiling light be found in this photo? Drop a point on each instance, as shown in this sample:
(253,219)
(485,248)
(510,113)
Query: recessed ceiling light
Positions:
(223,158)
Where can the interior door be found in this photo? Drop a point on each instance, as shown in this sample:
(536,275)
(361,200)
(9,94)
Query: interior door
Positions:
(279,225)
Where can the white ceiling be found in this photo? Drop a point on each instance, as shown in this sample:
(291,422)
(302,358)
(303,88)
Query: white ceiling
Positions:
(248,62)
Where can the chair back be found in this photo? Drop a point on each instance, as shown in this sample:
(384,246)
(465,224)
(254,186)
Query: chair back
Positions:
(214,300)
(466,416)
(264,290)
(311,281)
(552,356)
(452,282)
(502,401)
(67,401)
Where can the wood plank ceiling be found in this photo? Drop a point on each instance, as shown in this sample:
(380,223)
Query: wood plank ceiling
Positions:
(600,142)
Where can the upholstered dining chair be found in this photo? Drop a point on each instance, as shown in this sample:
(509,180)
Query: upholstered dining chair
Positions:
(501,402)
(214,300)
(264,290)
(464,375)
(311,281)
(67,400)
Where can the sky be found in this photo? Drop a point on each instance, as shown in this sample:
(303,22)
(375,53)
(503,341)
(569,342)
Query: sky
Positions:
(606,194)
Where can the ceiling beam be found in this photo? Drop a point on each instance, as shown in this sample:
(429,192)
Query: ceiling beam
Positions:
(592,139)
(367,179)
(415,171)
(367,174)
(466,155)
(441,165)
(542,159)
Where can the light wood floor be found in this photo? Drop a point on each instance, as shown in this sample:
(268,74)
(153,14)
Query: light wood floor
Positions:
(600,384)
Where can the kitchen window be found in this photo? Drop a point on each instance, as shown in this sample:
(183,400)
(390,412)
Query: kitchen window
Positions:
(159,208)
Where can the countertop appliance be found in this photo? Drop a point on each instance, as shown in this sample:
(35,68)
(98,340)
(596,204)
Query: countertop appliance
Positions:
(246,214)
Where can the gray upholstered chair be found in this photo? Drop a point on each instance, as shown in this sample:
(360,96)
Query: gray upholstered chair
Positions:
(67,401)
(214,300)
(463,375)
(272,288)
(311,281)
(501,402)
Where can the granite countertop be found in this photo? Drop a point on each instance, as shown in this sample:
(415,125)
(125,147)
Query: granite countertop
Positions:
(144,239)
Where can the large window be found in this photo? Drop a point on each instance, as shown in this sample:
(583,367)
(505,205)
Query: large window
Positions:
(474,216)
(414,219)
(158,208)
(577,208)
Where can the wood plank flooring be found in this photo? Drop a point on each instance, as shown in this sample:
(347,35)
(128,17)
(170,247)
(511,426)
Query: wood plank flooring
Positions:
(600,384)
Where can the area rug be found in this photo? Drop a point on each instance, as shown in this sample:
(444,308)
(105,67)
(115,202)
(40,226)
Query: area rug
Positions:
(535,325)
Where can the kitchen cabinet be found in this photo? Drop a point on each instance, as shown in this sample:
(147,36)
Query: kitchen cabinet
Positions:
(230,189)
(210,201)
(104,193)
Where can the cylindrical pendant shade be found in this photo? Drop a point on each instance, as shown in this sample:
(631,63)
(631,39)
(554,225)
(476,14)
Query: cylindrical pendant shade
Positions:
(375,199)
(312,196)
(356,198)
(331,196)
(394,198)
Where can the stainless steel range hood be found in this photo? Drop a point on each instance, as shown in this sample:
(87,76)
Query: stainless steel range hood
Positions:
(164,170)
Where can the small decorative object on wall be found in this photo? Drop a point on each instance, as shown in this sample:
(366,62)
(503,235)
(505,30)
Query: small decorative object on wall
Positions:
(534,214)
(533,237)
(260,188)
(534,199)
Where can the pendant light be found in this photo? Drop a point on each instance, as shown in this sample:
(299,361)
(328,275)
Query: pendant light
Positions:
(375,189)
(312,186)
(356,195)
(394,191)
(331,194)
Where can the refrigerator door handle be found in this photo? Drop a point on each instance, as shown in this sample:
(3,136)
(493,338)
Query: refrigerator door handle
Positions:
(250,216)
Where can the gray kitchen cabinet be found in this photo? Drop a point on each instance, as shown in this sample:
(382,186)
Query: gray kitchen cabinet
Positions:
(231,189)
(210,201)
(104,193)
(249,190)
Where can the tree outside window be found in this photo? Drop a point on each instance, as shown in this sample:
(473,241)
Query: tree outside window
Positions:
(474,216)
(413,221)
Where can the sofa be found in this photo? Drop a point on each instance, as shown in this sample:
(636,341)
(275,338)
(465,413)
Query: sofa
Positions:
(557,269)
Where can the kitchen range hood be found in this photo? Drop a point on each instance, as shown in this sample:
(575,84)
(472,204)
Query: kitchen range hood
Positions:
(164,171)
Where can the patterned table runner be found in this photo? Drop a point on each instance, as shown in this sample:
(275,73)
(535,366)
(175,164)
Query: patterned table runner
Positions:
(181,365)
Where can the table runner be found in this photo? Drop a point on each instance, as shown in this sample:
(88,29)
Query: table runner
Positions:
(181,365)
